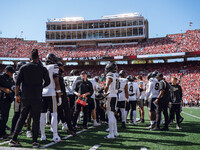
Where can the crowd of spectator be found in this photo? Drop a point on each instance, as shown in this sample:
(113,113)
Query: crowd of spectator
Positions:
(173,43)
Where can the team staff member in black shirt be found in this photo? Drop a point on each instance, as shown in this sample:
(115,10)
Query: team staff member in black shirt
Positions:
(33,77)
(83,88)
(6,98)
(162,102)
(176,101)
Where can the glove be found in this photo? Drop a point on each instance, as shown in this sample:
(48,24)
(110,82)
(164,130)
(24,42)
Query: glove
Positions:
(59,101)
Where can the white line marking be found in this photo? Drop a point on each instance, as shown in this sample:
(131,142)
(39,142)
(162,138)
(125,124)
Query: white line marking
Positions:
(65,138)
(191,115)
(4,142)
(94,147)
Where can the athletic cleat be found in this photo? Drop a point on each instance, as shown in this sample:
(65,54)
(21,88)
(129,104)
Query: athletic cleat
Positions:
(116,134)
(178,127)
(135,124)
(43,138)
(56,138)
(13,143)
(36,145)
(64,126)
(95,124)
(28,134)
(109,137)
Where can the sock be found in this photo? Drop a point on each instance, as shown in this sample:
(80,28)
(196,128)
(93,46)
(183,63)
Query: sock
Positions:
(54,123)
(42,123)
(123,114)
(115,126)
(134,117)
(111,122)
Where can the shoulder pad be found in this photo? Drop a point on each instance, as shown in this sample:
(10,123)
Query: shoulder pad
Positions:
(110,74)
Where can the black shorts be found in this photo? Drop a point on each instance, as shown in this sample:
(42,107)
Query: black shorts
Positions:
(121,104)
(127,108)
(111,104)
(132,105)
(152,106)
(141,103)
(91,104)
(49,103)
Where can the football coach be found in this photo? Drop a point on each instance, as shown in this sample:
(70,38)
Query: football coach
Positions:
(33,77)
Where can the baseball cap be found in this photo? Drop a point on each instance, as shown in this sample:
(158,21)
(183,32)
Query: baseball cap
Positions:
(10,69)
(83,72)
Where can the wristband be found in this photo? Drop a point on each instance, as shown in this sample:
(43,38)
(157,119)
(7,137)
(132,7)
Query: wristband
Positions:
(58,91)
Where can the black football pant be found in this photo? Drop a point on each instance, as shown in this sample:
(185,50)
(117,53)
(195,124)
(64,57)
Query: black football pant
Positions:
(66,117)
(33,106)
(175,109)
(77,112)
(162,107)
(97,110)
(16,115)
(4,114)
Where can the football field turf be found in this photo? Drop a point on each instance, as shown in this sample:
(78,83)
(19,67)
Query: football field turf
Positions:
(134,137)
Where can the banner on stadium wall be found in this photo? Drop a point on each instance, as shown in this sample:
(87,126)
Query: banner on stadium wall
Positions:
(130,57)
(118,57)
(13,59)
(161,55)
(193,53)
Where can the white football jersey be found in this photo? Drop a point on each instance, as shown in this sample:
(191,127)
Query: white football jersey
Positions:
(114,86)
(94,83)
(142,95)
(153,89)
(133,91)
(50,90)
(70,83)
(122,83)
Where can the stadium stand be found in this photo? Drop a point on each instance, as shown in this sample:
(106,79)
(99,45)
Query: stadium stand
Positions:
(183,42)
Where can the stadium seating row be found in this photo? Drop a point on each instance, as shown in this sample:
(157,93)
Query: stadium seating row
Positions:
(184,42)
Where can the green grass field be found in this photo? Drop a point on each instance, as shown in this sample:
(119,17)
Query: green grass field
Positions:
(134,137)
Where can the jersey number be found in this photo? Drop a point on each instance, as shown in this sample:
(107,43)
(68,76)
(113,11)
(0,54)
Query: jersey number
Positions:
(131,89)
(117,84)
(157,86)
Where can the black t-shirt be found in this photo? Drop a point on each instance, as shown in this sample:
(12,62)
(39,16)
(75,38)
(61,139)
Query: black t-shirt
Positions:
(33,77)
(176,93)
(7,82)
(83,87)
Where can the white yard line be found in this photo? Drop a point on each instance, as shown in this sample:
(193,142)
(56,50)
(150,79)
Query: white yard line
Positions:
(190,115)
(94,147)
(4,142)
(65,138)
(15,148)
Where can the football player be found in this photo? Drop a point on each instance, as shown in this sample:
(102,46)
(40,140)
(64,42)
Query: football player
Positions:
(70,83)
(151,95)
(111,88)
(141,99)
(134,94)
(92,103)
(49,98)
(123,96)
